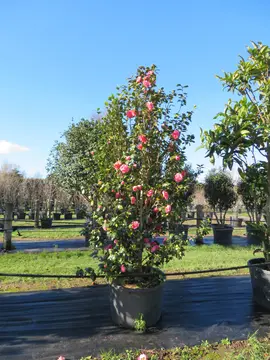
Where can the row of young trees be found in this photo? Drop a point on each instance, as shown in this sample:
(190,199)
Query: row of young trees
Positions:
(40,197)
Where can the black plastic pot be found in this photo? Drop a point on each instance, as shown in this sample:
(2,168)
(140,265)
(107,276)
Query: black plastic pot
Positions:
(46,223)
(260,280)
(182,229)
(21,216)
(127,304)
(68,216)
(56,216)
(222,234)
(80,215)
(254,237)
(239,222)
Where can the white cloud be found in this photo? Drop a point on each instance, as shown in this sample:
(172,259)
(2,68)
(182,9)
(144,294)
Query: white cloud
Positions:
(8,147)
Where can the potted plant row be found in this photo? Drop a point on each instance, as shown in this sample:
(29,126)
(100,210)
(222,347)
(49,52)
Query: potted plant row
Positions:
(242,133)
(144,189)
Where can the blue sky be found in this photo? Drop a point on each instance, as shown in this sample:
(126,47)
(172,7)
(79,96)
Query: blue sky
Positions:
(61,59)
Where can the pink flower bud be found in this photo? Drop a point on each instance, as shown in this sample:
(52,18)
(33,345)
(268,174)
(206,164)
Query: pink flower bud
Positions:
(118,195)
(122,183)
(146,83)
(165,194)
(150,105)
(139,79)
(135,225)
(117,165)
(143,138)
(140,146)
(175,134)
(133,200)
(150,193)
(123,268)
(128,158)
(168,209)
(135,188)
(131,113)
(178,177)
(177,157)
(124,169)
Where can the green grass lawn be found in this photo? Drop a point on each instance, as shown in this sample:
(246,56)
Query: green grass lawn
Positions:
(250,349)
(47,234)
(196,258)
(74,233)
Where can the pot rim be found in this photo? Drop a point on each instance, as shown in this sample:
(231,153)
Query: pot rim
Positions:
(144,290)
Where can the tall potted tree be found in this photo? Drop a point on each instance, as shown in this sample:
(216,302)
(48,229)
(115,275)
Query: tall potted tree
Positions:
(243,130)
(253,189)
(141,192)
(221,196)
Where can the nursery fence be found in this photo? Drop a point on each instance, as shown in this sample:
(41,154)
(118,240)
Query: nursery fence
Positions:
(135,274)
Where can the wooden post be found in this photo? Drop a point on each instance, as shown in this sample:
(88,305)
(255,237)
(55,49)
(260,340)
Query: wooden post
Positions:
(37,214)
(8,226)
(200,214)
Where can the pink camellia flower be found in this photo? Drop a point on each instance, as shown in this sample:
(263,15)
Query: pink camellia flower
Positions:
(124,169)
(135,225)
(178,177)
(135,188)
(131,113)
(63,358)
(150,105)
(139,79)
(122,183)
(177,157)
(175,134)
(123,268)
(168,209)
(113,191)
(134,165)
(150,72)
(115,241)
(155,248)
(165,194)
(117,165)
(146,83)
(128,158)
(133,200)
(140,146)
(142,357)
(156,210)
(150,193)
(139,187)
(118,195)
(146,241)
(108,247)
(143,138)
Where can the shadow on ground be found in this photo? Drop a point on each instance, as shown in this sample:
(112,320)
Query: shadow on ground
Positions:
(76,322)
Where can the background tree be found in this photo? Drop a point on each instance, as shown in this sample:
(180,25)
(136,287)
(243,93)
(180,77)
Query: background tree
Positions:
(253,189)
(244,126)
(11,180)
(220,194)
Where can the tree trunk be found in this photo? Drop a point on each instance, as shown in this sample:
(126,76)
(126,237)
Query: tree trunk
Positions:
(266,244)
(37,214)
(8,226)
